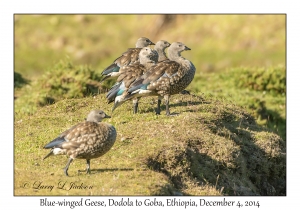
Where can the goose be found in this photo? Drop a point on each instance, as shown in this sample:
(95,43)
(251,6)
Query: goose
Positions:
(165,78)
(86,140)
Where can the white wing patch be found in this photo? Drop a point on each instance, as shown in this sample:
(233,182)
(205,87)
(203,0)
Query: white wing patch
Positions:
(139,91)
(58,151)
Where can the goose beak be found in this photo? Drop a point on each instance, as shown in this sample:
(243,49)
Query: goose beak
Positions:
(107,116)
(186,48)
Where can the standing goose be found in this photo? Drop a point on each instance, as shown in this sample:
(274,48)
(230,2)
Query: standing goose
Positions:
(166,78)
(86,140)
(160,47)
(129,57)
(128,74)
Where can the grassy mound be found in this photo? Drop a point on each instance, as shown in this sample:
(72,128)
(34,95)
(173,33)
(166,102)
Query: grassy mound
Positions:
(223,146)
(211,148)
(271,79)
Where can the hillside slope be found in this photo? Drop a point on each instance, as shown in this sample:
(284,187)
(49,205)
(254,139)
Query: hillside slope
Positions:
(211,148)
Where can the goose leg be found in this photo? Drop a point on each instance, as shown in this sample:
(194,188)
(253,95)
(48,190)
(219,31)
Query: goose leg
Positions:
(67,166)
(88,170)
(166,97)
(135,105)
(158,106)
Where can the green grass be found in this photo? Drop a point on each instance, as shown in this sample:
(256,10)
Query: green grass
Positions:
(262,91)
(63,80)
(211,148)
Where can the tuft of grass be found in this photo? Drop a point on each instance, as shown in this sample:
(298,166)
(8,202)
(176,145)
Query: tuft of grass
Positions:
(19,80)
(211,148)
(63,80)
(262,91)
(271,80)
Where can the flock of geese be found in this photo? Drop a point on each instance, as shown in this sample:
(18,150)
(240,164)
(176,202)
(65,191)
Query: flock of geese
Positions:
(140,72)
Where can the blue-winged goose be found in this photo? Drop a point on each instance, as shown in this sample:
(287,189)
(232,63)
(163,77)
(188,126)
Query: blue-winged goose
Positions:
(129,57)
(86,140)
(160,47)
(165,78)
(128,74)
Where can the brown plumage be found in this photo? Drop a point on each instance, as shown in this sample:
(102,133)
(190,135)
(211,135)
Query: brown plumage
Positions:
(128,74)
(86,140)
(160,47)
(166,78)
(147,58)
(136,69)
(131,56)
